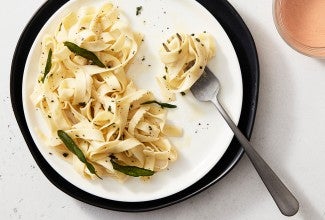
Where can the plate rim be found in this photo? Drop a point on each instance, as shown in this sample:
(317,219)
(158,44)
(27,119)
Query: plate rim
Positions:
(246,53)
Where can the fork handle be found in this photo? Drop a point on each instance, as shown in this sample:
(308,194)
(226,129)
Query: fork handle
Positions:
(283,198)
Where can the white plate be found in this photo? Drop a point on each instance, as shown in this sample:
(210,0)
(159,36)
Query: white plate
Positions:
(206,136)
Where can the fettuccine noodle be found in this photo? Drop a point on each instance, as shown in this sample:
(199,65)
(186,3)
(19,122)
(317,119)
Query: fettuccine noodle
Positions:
(185,57)
(100,108)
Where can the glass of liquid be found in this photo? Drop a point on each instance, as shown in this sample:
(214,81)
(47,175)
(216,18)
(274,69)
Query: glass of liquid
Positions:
(301,23)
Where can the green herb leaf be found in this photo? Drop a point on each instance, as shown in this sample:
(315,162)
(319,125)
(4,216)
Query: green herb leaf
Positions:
(60,26)
(84,53)
(131,170)
(48,65)
(71,145)
(162,104)
(82,104)
(138,10)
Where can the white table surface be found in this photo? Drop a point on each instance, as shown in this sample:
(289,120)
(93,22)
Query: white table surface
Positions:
(289,133)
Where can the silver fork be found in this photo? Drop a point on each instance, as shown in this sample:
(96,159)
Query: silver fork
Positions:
(205,89)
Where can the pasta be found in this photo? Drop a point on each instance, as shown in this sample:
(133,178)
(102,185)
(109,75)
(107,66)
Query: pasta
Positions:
(185,57)
(98,106)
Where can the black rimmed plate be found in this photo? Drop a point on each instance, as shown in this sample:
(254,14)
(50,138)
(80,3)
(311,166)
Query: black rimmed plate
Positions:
(246,53)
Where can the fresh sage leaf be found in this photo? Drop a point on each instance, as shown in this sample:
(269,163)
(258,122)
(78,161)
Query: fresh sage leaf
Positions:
(162,104)
(131,170)
(84,53)
(48,65)
(71,145)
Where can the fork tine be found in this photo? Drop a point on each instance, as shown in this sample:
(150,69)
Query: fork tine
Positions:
(206,87)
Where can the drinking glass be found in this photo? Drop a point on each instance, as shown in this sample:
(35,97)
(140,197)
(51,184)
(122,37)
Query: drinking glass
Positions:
(301,23)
